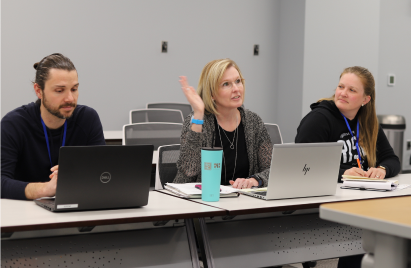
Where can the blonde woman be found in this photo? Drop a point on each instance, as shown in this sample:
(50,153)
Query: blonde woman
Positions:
(349,117)
(220,120)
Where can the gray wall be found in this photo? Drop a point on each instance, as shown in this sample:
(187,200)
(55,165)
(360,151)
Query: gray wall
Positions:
(290,71)
(318,39)
(115,46)
(395,58)
(338,34)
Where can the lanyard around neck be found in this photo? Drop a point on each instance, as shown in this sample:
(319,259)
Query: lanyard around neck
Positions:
(358,135)
(47,138)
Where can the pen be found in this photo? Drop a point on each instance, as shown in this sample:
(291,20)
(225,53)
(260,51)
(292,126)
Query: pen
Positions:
(359,165)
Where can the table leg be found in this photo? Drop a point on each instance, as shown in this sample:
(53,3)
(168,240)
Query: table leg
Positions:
(204,243)
(384,250)
(192,242)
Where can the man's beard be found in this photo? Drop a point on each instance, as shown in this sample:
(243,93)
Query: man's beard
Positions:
(56,112)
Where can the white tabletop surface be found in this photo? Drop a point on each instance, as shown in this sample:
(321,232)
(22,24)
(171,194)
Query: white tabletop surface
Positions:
(249,205)
(16,213)
(113,134)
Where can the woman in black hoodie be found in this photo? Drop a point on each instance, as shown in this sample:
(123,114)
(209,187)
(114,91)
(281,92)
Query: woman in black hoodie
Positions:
(352,109)
(349,116)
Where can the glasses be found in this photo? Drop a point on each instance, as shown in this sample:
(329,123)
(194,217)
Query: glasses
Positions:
(229,85)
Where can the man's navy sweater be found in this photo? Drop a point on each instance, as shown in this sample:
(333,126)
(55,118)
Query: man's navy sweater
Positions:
(24,155)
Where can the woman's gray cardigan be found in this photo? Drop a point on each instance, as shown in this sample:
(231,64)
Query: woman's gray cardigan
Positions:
(257,139)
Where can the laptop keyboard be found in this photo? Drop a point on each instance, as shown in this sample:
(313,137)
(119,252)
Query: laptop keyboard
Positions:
(260,193)
(48,201)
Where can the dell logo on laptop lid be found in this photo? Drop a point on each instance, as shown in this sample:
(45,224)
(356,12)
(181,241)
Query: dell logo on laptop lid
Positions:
(105,177)
(305,169)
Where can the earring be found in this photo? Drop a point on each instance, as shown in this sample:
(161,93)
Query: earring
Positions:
(362,105)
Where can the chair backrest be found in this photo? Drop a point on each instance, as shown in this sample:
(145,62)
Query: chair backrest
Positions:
(185,108)
(152,133)
(275,134)
(156,115)
(167,163)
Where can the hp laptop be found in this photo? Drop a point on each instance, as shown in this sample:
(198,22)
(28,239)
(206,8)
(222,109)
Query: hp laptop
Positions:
(101,177)
(301,170)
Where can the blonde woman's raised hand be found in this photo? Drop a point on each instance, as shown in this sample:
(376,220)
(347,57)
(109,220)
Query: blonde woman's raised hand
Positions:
(193,98)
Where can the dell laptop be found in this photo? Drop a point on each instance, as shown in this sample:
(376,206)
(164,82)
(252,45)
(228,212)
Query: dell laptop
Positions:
(101,177)
(301,170)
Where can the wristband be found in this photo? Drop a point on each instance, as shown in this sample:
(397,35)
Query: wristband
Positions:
(196,121)
(258,179)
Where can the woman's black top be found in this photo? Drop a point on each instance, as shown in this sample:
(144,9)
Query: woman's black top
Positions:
(242,167)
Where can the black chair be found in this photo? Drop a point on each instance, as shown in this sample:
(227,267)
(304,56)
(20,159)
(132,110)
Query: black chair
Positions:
(167,164)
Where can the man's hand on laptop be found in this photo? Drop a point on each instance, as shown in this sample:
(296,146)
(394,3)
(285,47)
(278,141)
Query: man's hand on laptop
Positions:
(43,189)
(55,170)
(241,183)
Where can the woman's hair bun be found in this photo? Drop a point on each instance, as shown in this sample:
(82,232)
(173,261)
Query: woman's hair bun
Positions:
(36,65)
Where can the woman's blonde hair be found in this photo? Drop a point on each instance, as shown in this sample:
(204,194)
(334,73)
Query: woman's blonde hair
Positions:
(366,115)
(210,79)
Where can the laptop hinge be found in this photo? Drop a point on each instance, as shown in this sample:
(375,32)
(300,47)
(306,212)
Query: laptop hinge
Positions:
(159,223)
(179,224)
(85,229)
(6,235)
(228,217)
(288,212)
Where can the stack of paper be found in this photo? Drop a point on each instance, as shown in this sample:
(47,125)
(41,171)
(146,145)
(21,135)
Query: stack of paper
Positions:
(368,183)
(188,190)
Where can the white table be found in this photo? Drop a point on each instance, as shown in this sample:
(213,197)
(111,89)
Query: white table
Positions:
(264,233)
(250,205)
(113,137)
(34,236)
(386,224)
(113,134)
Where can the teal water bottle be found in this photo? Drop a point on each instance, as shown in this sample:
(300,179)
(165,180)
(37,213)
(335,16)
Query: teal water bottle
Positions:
(211,163)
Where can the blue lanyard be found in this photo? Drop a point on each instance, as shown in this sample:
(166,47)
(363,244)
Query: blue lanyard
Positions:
(358,135)
(47,138)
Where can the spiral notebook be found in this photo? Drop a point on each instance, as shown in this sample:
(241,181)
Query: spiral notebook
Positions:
(364,183)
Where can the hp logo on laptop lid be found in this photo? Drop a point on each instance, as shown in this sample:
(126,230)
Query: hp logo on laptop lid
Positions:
(105,177)
(305,169)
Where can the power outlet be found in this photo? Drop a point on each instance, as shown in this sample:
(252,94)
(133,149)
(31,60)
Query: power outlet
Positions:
(164,47)
(391,80)
(256,50)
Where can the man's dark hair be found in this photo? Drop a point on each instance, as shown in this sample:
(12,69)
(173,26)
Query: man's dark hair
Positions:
(53,61)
